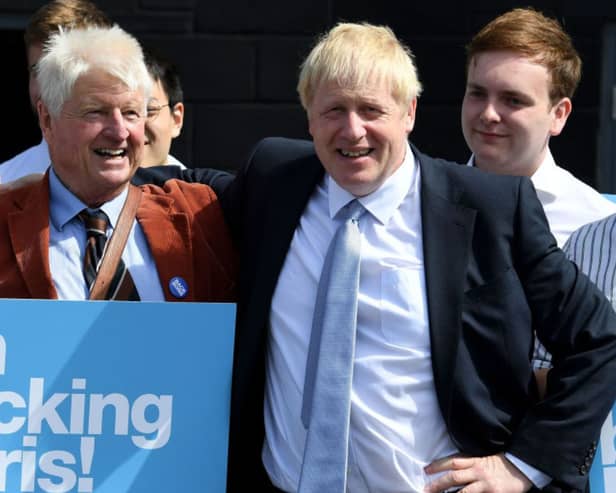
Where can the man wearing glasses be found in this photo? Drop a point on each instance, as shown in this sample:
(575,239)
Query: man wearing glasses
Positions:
(165,111)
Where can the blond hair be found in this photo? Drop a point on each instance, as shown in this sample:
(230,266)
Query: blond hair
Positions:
(353,55)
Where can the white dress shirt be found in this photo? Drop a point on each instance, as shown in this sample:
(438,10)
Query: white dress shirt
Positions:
(33,160)
(568,202)
(67,240)
(396,424)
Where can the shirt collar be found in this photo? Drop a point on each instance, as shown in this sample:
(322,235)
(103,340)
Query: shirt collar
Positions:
(384,201)
(64,205)
(172,160)
(543,178)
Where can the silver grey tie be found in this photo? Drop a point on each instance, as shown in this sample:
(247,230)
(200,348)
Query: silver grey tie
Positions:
(326,406)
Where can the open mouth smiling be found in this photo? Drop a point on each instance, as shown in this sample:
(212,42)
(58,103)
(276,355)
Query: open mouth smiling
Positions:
(110,152)
(361,153)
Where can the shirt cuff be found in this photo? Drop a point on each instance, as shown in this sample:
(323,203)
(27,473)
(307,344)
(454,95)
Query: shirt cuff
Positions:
(539,479)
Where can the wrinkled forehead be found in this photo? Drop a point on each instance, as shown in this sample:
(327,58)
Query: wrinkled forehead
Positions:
(97,84)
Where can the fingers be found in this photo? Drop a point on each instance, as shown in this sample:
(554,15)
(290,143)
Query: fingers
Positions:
(488,474)
(450,462)
(452,479)
(458,473)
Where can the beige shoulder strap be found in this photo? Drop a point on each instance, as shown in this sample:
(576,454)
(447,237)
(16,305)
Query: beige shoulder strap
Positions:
(116,244)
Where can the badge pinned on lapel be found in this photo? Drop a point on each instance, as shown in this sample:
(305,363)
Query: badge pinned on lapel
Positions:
(178,287)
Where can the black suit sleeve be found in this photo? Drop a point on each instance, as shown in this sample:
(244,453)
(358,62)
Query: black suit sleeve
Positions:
(577,325)
(158,175)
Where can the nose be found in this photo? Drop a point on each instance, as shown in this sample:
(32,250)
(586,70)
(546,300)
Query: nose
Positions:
(353,128)
(115,127)
(489,114)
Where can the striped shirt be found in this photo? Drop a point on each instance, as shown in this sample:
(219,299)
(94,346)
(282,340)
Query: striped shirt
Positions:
(593,248)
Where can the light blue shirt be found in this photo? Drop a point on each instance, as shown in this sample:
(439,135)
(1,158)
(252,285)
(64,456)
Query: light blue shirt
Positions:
(67,241)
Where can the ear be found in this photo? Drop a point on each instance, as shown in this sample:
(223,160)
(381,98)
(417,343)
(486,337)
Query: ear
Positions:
(44,118)
(410,115)
(177,113)
(560,112)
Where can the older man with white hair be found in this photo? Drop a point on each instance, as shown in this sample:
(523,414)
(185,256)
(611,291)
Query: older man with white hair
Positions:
(165,244)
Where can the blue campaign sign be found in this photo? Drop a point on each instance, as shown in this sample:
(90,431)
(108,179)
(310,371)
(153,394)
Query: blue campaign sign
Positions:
(114,397)
(603,471)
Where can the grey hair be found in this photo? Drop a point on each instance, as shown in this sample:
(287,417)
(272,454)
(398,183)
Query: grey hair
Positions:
(70,54)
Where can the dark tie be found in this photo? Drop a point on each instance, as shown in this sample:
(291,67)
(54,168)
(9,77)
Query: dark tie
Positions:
(121,286)
(326,407)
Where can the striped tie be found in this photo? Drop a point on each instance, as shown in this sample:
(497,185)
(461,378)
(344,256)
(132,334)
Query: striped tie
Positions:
(122,286)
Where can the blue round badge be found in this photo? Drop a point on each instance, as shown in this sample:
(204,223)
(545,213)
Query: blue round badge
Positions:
(178,287)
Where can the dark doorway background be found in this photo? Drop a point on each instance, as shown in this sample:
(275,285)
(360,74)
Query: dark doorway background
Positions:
(20,129)
(239,59)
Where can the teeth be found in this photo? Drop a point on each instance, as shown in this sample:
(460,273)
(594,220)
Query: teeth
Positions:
(355,154)
(111,152)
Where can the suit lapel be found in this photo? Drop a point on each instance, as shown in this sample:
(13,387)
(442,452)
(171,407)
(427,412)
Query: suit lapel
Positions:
(447,233)
(29,232)
(168,236)
(293,189)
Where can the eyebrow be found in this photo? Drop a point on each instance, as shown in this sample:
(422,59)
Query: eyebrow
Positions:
(506,92)
(474,85)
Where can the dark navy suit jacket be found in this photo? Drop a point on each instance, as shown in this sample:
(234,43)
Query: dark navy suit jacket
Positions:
(494,277)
